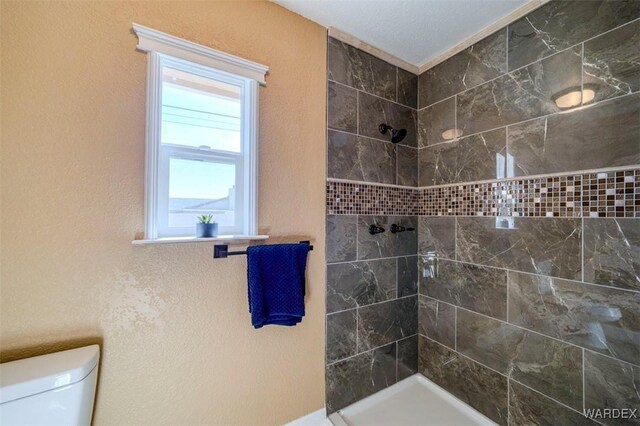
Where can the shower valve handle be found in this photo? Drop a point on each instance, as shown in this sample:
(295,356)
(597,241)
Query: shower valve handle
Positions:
(399,228)
(374,229)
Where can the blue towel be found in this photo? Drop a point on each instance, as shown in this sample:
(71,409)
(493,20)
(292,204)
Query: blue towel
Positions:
(276,283)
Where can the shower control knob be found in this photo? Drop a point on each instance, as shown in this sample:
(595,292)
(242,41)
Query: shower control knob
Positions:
(397,228)
(374,229)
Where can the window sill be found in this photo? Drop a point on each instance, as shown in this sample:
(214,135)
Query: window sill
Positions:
(219,239)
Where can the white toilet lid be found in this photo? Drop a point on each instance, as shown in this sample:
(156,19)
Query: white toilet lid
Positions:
(19,379)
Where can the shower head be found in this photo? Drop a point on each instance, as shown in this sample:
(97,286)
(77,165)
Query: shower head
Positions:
(396,134)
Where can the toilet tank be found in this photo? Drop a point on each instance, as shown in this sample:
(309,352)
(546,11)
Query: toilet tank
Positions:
(54,389)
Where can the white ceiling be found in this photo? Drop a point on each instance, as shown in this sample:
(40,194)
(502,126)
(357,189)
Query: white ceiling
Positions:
(416,31)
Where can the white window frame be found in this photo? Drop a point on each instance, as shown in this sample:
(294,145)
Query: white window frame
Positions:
(164,50)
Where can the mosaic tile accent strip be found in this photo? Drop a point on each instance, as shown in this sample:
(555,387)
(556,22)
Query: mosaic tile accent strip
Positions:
(605,194)
(362,198)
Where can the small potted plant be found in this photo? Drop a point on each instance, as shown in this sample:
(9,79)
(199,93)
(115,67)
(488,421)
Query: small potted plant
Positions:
(206,226)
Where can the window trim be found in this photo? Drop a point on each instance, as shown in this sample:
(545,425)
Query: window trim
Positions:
(159,45)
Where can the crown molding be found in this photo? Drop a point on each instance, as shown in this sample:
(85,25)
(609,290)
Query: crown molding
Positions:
(523,10)
(378,53)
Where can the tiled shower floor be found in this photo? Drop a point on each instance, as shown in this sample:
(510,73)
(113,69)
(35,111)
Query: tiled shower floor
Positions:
(413,401)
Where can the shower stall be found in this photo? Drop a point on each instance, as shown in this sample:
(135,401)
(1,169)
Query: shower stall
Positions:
(483,265)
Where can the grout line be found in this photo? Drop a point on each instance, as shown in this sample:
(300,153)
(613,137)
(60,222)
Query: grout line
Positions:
(508,285)
(372,304)
(541,334)
(629,167)
(455,238)
(508,402)
(396,150)
(357,237)
(455,120)
(582,74)
(578,108)
(506,153)
(442,344)
(539,275)
(539,59)
(455,327)
(582,252)
(371,94)
(370,350)
(357,112)
(357,331)
(584,406)
(507,46)
(397,85)
(397,277)
(438,102)
(397,351)
(503,375)
(547,396)
(369,260)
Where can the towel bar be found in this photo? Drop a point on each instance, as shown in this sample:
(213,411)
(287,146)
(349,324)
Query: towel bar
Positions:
(221,251)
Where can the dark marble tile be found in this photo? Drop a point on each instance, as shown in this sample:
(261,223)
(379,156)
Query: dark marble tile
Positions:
(341,238)
(434,120)
(478,157)
(598,318)
(478,288)
(560,24)
(360,283)
(608,135)
(355,378)
(342,104)
(545,246)
(427,168)
(437,321)
(528,407)
(407,357)
(612,252)
(611,384)
(520,95)
(341,335)
(374,111)
(544,364)
(481,62)
(437,234)
(355,68)
(362,159)
(407,165)
(386,322)
(387,244)
(407,276)
(483,389)
(407,88)
(612,62)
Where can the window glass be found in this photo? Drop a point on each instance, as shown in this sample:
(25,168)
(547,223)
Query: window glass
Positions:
(200,112)
(201,187)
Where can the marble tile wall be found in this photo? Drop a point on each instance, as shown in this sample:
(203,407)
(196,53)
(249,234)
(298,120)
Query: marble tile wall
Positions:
(530,205)
(372,280)
(372,306)
(499,109)
(362,93)
(534,314)
(548,308)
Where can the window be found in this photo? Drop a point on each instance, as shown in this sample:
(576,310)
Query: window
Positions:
(201,149)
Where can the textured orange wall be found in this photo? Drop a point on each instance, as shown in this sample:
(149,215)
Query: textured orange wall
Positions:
(177,342)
